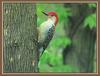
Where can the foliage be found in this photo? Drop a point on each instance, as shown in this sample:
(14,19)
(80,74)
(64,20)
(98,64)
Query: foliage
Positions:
(90,21)
(92,5)
(60,68)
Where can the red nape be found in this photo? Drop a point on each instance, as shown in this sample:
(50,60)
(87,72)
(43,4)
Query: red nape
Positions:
(55,14)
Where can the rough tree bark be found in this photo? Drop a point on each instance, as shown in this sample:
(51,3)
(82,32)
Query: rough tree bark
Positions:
(81,52)
(20,52)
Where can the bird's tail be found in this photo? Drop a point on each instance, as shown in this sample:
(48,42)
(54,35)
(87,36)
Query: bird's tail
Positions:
(40,49)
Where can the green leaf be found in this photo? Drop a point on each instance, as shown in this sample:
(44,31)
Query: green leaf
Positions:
(58,42)
(90,21)
(91,5)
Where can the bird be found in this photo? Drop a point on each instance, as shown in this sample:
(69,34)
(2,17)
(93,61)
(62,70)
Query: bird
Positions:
(46,31)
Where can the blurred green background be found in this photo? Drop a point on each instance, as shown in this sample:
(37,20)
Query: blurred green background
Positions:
(52,59)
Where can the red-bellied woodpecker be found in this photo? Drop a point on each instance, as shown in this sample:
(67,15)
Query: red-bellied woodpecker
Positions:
(46,31)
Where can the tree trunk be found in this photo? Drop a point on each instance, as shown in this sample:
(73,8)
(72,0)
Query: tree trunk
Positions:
(20,52)
(81,52)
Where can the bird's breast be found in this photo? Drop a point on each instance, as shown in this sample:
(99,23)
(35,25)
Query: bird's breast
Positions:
(43,30)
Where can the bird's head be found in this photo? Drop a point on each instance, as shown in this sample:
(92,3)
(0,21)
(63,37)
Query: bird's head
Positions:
(53,16)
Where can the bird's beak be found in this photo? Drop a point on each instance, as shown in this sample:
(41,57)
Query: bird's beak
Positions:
(45,13)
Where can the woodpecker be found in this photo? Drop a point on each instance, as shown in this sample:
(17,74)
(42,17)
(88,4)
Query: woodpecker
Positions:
(46,31)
